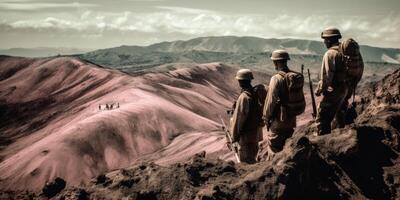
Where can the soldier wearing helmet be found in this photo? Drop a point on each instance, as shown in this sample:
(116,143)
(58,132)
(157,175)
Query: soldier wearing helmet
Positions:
(332,83)
(280,126)
(245,121)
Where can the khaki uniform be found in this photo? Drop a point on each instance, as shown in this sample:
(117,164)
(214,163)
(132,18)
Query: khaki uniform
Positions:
(345,105)
(282,125)
(333,75)
(245,128)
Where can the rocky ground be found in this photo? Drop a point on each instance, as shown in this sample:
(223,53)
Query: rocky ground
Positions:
(360,161)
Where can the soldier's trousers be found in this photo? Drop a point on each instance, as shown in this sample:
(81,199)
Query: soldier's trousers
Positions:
(248,151)
(277,138)
(332,106)
(345,105)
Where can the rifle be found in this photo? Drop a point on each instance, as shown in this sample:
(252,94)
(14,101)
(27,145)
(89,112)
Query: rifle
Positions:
(302,69)
(314,107)
(231,146)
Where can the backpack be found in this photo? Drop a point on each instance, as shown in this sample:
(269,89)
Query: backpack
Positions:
(352,59)
(258,95)
(261,93)
(294,99)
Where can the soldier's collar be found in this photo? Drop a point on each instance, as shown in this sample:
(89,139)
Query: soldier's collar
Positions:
(246,89)
(336,45)
(285,69)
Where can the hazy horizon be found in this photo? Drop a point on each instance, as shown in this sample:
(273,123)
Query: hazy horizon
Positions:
(90,24)
(145,45)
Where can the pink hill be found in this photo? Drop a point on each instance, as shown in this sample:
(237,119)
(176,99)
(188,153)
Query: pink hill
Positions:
(53,126)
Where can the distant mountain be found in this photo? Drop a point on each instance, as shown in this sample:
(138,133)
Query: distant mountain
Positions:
(232,45)
(240,45)
(42,51)
(250,52)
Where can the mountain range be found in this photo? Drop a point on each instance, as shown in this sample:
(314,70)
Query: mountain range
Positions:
(232,45)
(217,44)
(249,52)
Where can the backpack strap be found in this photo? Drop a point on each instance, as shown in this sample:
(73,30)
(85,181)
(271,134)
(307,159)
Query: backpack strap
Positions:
(283,74)
(251,93)
(285,95)
(253,96)
(339,49)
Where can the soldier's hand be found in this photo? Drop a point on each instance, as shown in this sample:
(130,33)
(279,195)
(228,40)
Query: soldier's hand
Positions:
(318,92)
(268,124)
(235,139)
(229,146)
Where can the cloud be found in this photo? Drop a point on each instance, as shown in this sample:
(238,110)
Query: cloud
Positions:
(24,5)
(184,10)
(146,0)
(177,22)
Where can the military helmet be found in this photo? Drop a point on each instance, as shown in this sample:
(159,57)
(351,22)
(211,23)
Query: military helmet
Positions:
(280,55)
(244,74)
(331,32)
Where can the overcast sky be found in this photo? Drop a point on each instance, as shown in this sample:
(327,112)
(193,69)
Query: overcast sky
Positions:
(109,23)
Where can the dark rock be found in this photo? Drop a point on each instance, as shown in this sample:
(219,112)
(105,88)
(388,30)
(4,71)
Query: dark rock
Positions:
(142,167)
(146,195)
(228,167)
(102,179)
(82,195)
(53,188)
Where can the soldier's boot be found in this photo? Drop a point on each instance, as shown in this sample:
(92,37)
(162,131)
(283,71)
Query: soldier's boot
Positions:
(340,117)
(323,128)
(324,119)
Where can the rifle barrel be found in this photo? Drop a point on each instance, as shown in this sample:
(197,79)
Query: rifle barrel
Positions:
(229,140)
(312,94)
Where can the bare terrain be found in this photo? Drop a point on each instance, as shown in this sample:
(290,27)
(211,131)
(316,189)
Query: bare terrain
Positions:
(164,140)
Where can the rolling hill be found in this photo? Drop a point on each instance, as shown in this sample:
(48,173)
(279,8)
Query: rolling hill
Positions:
(50,114)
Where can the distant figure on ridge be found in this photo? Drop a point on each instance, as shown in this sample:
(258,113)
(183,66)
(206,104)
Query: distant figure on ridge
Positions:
(285,100)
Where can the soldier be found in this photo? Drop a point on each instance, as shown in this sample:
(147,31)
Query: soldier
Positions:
(278,116)
(246,123)
(332,84)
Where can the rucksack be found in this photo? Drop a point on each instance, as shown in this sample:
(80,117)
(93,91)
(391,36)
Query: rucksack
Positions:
(294,100)
(258,95)
(261,92)
(352,59)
